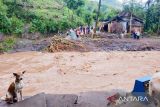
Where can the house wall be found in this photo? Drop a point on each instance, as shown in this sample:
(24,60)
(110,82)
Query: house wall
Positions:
(119,27)
(109,27)
(124,24)
(115,27)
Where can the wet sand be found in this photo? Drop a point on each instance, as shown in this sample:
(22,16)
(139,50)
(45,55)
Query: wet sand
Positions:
(74,72)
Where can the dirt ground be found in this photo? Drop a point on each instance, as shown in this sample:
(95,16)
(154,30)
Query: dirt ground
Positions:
(104,42)
(74,72)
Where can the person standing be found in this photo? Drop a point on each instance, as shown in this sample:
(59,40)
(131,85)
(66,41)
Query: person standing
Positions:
(84,30)
(138,34)
(78,33)
(81,29)
(88,30)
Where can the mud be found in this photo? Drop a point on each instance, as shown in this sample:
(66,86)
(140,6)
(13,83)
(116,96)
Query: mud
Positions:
(144,44)
(107,64)
(24,45)
(104,42)
(74,72)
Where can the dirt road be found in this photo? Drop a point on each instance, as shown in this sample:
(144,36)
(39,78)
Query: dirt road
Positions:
(73,72)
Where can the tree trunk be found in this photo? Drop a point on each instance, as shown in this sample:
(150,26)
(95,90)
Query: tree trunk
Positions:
(158,26)
(15,2)
(131,17)
(158,2)
(98,12)
(131,23)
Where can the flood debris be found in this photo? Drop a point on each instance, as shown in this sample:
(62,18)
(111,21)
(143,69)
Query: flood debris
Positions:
(58,44)
(102,42)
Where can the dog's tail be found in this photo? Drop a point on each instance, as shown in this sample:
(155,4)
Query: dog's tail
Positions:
(3,98)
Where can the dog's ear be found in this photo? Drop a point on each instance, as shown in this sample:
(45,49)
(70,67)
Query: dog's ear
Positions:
(23,72)
(15,74)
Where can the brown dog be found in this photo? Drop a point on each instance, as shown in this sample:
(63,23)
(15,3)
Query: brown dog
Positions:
(15,89)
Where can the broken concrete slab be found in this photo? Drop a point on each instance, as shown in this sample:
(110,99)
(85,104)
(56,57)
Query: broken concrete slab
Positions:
(97,99)
(85,99)
(35,101)
(135,104)
(61,100)
(92,99)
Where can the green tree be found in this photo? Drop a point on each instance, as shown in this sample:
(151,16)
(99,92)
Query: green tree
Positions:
(152,23)
(74,4)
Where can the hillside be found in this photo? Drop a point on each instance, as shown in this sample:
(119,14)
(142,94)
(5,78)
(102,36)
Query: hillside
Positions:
(109,8)
(47,16)
(44,16)
(40,8)
(110,3)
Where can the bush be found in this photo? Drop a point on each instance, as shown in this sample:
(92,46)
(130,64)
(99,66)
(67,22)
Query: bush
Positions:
(64,24)
(5,24)
(52,26)
(10,25)
(16,25)
(44,26)
(38,25)
(7,44)
(1,48)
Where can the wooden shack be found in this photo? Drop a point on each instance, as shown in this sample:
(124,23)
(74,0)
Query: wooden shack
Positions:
(124,22)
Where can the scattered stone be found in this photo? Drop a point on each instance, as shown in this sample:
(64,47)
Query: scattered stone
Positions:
(115,74)
(31,36)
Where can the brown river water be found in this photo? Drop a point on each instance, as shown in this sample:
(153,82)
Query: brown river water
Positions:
(74,72)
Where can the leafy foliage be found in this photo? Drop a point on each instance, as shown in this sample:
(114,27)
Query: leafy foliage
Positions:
(5,24)
(74,4)
(7,44)
(153,18)
(51,16)
(16,25)
(150,13)
(46,17)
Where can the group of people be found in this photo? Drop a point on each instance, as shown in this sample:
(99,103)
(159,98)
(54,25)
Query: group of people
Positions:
(136,34)
(82,30)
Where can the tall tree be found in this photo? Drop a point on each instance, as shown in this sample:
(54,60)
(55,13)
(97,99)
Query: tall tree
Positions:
(74,4)
(97,18)
(153,16)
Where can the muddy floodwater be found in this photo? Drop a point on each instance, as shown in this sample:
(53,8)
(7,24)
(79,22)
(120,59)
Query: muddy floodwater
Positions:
(74,72)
